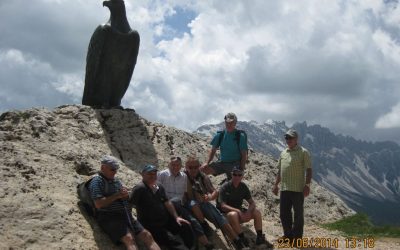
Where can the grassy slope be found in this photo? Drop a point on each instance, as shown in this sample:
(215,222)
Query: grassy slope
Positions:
(360,225)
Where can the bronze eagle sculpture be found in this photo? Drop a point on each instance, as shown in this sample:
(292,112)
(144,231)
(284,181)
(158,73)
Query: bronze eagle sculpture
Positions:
(111,59)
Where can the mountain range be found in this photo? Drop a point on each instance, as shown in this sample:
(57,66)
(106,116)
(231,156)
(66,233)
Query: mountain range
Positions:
(366,175)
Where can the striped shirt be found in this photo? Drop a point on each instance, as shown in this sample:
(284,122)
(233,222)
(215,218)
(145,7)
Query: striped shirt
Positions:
(97,191)
(293,164)
(175,186)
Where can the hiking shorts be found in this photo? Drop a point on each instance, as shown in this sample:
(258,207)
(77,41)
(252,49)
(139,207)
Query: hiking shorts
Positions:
(116,224)
(220,167)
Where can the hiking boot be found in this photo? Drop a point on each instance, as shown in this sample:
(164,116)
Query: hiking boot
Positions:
(238,244)
(207,229)
(209,246)
(261,240)
(245,241)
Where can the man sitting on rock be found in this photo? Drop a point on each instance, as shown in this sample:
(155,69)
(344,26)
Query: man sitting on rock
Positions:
(157,214)
(230,200)
(199,194)
(113,214)
(175,183)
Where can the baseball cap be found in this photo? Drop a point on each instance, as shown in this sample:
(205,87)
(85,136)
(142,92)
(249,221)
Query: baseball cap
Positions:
(230,117)
(291,133)
(110,161)
(149,168)
(237,169)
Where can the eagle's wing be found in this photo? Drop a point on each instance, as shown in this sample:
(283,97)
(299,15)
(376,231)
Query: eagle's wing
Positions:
(135,40)
(93,60)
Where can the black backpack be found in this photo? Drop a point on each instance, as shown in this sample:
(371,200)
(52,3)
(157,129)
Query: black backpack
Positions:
(85,199)
(238,132)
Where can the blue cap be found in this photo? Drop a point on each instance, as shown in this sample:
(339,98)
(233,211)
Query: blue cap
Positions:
(110,161)
(149,168)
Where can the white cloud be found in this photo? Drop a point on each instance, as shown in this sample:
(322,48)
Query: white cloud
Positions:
(334,63)
(391,119)
(27,81)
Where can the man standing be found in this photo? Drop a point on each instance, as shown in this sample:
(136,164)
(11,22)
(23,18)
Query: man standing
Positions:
(113,215)
(233,148)
(200,193)
(295,176)
(230,200)
(158,215)
(175,183)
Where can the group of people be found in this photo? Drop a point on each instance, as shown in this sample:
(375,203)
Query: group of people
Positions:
(174,205)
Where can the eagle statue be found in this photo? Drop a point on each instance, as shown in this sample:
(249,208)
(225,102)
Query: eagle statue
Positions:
(111,59)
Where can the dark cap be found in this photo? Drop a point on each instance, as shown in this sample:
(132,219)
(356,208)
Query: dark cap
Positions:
(230,117)
(149,168)
(237,169)
(291,133)
(110,161)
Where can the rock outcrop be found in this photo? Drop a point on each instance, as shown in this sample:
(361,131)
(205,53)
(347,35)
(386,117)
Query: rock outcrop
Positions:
(45,154)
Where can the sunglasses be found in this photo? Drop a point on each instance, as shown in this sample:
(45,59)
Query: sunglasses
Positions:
(237,175)
(288,138)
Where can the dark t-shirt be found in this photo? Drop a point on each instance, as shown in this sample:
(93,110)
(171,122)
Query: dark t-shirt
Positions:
(232,196)
(150,207)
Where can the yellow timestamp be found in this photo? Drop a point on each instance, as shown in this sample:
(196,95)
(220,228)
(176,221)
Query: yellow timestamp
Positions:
(355,242)
(314,242)
(326,242)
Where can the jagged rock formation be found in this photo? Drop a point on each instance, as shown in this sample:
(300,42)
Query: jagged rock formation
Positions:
(45,154)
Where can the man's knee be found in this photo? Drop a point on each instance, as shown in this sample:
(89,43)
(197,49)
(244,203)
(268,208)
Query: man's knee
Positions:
(128,239)
(256,213)
(197,211)
(232,215)
(146,237)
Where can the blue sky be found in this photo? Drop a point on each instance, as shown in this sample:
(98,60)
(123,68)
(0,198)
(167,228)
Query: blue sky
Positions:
(329,62)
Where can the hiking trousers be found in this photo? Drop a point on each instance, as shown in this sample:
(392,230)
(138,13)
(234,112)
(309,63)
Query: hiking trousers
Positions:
(171,235)
(292,223)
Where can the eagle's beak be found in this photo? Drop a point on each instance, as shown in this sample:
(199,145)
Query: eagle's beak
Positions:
(107,3)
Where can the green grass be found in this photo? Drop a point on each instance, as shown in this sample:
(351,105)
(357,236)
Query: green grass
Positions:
(360,225)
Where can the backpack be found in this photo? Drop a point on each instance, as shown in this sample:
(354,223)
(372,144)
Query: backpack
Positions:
(85,198)
(197,185)
(238,132)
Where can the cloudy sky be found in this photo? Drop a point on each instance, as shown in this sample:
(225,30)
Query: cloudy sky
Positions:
(329,62)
